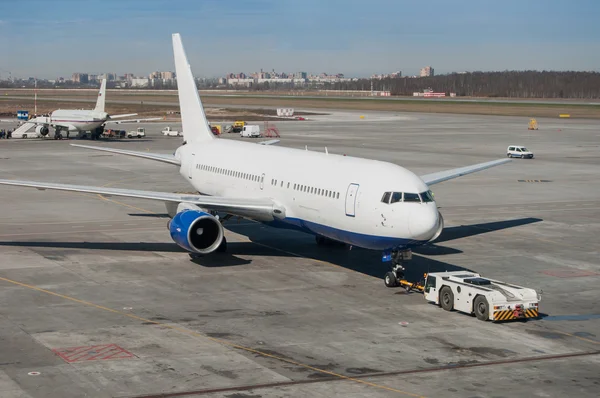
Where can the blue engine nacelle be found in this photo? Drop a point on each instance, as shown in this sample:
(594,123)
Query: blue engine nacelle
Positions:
(196,231)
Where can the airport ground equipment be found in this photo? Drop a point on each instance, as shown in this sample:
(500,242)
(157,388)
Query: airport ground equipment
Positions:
(111,133)
(238,126)
(271,131)
(171,133)
(251,131)
(468,292)
(216,129)
(533,125)
(139,133)
(518,151)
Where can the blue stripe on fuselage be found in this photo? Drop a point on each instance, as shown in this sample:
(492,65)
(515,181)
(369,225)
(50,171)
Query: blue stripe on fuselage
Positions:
(356,239)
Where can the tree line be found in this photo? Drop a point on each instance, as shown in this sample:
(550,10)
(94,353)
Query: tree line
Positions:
(516,84)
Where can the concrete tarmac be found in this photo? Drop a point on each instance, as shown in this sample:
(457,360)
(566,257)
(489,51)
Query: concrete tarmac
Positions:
(96,300)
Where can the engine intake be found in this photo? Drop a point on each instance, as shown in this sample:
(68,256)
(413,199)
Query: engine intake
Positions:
(42,130)
(196,231)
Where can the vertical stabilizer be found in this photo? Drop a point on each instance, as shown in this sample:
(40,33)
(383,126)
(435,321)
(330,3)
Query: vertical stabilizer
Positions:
(101,97)
(193,119)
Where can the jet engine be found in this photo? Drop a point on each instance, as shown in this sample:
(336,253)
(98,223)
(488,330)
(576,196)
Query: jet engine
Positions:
(196,231)
(440,227)
(42,130)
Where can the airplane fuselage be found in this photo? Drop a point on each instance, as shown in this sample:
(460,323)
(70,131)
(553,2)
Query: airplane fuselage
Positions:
(77,120)
(338,197)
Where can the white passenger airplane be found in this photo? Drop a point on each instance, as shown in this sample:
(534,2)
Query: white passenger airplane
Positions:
(80,120)
(360,202)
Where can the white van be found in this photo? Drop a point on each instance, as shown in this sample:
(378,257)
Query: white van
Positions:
(250,130)
(517,151)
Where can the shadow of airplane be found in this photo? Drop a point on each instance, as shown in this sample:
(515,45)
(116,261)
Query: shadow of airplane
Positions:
(296,244)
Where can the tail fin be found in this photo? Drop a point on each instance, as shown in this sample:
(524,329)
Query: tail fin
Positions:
(101,97)
(193,119)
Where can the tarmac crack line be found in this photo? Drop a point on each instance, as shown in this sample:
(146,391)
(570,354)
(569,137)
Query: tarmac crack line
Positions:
(219,341)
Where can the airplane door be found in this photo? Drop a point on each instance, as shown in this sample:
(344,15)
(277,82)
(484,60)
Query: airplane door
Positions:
(351,200)
(191,165)
(262,181)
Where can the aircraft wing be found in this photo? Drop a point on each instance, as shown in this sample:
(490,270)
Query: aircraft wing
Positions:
(441,176)
(122,115)
(134,120)
(171,159)
(256,209)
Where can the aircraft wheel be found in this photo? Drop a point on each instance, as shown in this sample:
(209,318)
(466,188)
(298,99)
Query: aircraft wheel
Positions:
(481,308)
(390,279)
(447,298)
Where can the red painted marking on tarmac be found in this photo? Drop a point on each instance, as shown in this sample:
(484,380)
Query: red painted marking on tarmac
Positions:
(92,353)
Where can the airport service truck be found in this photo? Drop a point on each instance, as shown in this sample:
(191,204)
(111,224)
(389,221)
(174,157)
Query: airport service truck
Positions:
(487,299)
(171,133)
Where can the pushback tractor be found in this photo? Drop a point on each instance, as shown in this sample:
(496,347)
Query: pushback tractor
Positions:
(487,299)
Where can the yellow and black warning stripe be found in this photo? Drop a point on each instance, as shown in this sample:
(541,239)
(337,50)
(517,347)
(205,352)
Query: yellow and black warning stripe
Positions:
(506,315)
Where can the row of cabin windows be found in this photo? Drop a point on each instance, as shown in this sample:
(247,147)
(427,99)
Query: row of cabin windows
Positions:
(227,172)
(393,197)
(305,188)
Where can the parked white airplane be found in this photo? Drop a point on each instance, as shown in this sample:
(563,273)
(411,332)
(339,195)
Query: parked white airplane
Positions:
(360,202)
(81,120)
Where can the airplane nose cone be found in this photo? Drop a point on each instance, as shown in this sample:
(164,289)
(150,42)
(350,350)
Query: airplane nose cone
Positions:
(423,223)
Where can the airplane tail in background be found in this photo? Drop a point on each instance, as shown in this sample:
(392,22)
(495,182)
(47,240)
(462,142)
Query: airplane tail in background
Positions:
(101,97)
(193,119)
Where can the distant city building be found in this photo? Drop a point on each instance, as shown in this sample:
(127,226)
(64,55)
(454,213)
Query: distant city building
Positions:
(80,78)
(426,71)
(140,82)
(240,82)
(393,75)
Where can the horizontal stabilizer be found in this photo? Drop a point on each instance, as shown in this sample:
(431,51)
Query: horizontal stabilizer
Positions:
(159,157)
(441,176)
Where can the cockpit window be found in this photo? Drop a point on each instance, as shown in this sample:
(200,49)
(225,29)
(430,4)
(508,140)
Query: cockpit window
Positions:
(396,197)
(386,197)
(411,197)
(427,196)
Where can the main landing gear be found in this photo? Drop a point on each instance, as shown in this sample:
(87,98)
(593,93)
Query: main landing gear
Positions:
(398,257)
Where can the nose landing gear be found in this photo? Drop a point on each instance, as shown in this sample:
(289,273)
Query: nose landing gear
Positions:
(392,278)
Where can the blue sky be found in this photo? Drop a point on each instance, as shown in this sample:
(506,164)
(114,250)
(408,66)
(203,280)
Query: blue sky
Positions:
(47,38)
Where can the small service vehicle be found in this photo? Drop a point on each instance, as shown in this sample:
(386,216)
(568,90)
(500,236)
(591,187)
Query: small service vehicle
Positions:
(238,126)
(139,133)
(488,299)
(517,151)
(250,130)
(171,133)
